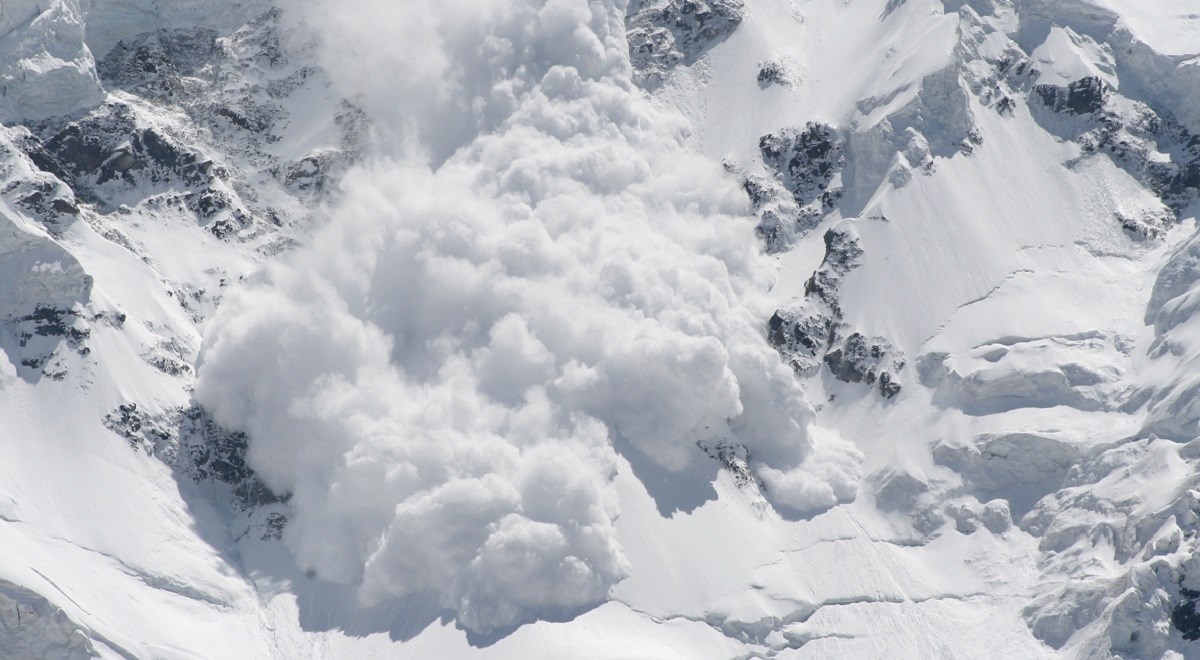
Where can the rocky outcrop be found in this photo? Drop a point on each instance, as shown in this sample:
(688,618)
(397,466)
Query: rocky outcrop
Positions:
(859,359)
(805,329)
(807,162)
(1081,97)
(1150,144)
(781,222)
(664,34)
(160,65)
(198,127)
(1184,616)
(187,101)
(42,292)
(116,149)
(196,447)
(809,332)
(773,73)
(801,185)
(30,190)
(121,155)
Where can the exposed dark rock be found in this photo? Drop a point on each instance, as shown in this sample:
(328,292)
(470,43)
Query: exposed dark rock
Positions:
(211,452)
(780,220)
(806,162)
(114,157)
(197,95)
(168,365)
(154,64)
(772,73)
(800,336)
(1146,225)
(736,459)
(860,359)
(1136,137)
(111,145)
(807,332)
(666,33)
(40,333)
(209,202)
(805,185)
(39,194)
(1005,106)
(272,527)
(46,199)
(314,175)
(196,447)
(1184,616)
(1083,96)
(842,251)
(804,330)
(142,431)
(246,116)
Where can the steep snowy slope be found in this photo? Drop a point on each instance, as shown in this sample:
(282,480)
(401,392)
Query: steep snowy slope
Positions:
(584,328)
(1015,192)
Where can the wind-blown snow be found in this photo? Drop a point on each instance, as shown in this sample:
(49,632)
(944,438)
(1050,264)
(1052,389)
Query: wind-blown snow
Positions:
(532,270)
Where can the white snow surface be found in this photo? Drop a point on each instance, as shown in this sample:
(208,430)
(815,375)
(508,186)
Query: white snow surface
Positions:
(514,383)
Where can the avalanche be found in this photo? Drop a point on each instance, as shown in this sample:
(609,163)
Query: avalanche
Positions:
(584,328)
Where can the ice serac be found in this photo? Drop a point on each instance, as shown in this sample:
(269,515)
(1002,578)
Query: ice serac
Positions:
(46,68)
(32,627)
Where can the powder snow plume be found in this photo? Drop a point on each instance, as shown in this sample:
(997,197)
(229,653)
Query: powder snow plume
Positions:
(530,266)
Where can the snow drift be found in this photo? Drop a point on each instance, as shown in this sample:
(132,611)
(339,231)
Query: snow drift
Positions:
(531,267)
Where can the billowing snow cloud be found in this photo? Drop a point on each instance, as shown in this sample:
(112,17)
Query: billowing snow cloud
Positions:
(531,265)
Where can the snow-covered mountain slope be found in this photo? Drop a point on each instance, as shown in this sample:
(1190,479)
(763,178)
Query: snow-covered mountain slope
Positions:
(1014,193)
(578,328)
